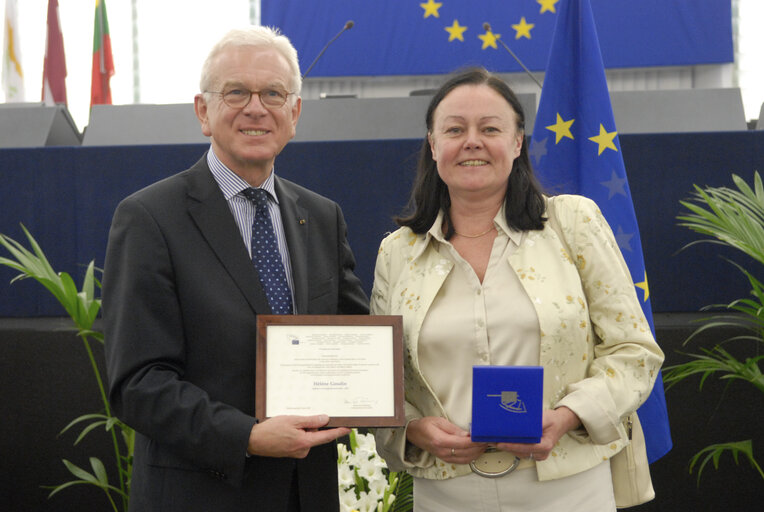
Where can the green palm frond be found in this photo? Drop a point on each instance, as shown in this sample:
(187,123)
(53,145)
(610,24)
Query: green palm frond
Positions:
(733,218)
(716,360)
(97,478)
(83,307)
(714,452)
(404,493)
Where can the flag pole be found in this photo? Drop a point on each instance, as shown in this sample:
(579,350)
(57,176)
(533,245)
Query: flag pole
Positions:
(136,58)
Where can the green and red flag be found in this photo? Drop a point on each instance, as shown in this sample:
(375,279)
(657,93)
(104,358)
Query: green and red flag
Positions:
(103,63)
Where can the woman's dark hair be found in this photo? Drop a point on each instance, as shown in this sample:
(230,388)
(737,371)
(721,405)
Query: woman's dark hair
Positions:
(524,200)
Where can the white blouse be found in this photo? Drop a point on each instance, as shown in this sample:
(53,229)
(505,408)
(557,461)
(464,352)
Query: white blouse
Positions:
(473,323)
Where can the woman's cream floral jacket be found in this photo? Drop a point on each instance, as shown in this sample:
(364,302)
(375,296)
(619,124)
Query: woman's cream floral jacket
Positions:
(598,354)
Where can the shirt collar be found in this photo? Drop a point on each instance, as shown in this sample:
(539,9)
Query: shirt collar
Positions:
(230,183)
(435,231)
(501,221)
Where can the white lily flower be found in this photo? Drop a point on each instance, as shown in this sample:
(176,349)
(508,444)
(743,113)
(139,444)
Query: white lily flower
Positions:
(345,476)
(370,467)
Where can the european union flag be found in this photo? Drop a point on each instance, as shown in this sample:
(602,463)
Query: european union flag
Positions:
(575,150)
(422,37)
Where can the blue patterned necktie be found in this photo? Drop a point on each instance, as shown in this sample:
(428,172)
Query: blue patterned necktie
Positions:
(266,256)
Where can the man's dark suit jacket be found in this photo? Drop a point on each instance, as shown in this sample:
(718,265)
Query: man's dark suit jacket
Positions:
(180,299)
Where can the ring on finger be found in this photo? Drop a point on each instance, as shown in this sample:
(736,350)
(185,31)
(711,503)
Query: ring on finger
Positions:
(452,452)
(530,457)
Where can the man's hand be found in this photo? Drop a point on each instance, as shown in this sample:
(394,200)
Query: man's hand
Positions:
(291,436)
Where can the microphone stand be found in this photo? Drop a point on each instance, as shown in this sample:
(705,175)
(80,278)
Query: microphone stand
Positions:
(487,28)
(347,26)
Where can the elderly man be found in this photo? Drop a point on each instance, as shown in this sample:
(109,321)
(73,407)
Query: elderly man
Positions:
(191,261)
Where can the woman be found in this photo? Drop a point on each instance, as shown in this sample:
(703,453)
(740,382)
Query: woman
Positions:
(483,273)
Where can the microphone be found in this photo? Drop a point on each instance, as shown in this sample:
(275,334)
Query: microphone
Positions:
(348,25)
(487,28)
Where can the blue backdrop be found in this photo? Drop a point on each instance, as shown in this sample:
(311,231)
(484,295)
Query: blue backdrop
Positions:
(66,197)
(413,37)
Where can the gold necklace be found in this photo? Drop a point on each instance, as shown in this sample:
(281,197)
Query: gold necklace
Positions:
(475,236)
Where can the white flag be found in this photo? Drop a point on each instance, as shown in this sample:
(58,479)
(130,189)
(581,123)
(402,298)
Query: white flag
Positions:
(13,76)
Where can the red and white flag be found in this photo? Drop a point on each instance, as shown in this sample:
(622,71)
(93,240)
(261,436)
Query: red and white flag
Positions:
(54,70)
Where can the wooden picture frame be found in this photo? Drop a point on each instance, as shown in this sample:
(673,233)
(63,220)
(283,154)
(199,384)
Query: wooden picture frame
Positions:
(347,366)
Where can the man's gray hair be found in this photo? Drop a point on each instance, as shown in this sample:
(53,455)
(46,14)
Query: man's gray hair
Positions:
(259,37)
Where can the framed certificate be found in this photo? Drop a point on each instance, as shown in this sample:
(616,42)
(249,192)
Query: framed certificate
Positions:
(349,367)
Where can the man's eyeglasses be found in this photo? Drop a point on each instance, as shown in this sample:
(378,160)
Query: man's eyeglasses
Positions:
(236,97)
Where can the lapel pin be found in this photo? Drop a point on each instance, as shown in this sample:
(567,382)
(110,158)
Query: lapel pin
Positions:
(302,221)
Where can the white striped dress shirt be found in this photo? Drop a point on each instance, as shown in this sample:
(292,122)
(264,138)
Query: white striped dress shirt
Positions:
(244,211)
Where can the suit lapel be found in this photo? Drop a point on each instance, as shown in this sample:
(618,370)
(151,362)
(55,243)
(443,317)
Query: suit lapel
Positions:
(296,222)
(212,216)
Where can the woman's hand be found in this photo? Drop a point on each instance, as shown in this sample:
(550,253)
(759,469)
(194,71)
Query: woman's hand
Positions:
(554,425)
(444,440)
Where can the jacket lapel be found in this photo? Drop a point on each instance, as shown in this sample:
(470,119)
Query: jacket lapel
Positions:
(212,216)
(296,221)
(426,273)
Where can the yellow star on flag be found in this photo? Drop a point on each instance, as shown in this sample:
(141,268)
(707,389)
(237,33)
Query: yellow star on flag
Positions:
(455,31)
(605,140)
(431,8)
(561,129)
(489,39)
(523,29)
(644,286)
(547,5)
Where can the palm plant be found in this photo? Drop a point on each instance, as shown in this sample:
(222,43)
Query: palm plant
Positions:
(82,306)
(733,218)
